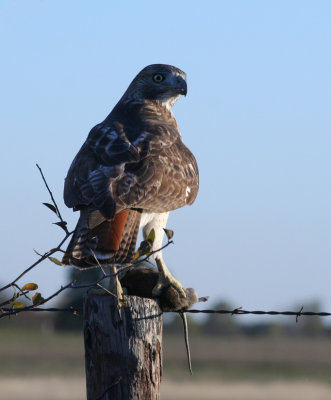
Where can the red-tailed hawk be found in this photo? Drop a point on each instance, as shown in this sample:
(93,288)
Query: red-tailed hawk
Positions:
(130,172)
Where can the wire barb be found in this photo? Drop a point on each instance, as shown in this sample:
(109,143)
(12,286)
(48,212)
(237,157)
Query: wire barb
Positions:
(240,311)
(298,315)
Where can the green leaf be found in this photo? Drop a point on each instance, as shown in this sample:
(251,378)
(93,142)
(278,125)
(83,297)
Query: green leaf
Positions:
(145,247)
(51,207)
(37,299)
(17,304)
(15,295)
(38,254)
(61,224)
(151,236)
(55,260)
(30,286)
(169,233)
(123,302)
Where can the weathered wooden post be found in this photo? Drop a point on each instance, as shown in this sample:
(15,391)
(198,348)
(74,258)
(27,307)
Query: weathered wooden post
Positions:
(123,348)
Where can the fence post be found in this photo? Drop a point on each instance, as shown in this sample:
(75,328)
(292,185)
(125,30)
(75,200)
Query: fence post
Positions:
(123,348)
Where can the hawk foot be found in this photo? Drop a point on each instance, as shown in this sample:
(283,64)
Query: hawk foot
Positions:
(166,280)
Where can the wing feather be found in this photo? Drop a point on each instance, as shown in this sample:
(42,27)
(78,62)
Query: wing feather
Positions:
(153,171)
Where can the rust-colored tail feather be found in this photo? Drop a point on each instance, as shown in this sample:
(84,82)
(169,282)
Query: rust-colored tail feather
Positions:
(109,233)
(111,242)
(129,238)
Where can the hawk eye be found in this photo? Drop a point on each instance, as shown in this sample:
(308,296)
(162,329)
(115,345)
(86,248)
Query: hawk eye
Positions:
(158,78)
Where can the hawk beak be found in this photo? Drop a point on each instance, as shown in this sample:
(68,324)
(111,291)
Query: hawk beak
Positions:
(181,86)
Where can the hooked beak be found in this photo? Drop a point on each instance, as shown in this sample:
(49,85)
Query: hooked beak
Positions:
(181,86)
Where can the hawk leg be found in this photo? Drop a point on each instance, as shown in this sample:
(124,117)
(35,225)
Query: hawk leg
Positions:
(157,221)
(166,279)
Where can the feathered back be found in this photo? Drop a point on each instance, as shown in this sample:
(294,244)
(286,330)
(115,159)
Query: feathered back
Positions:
(135,158)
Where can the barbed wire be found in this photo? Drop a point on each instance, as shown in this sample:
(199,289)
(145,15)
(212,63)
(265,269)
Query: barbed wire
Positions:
(236,311)
(15,308)
(240,311)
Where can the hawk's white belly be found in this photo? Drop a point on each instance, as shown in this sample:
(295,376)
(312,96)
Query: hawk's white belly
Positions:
(157,221)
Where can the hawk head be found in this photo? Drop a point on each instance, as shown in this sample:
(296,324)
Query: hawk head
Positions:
(159,82)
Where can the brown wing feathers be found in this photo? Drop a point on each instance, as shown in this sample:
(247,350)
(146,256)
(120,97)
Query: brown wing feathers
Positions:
(133,160)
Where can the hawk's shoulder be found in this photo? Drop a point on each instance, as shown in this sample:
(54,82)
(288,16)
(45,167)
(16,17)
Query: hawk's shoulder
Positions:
(135,158)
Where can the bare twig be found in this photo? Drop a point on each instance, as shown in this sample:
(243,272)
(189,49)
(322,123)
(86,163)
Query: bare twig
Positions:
(106,290)
(141,260)
(63,223)
(5,312)
(41,259)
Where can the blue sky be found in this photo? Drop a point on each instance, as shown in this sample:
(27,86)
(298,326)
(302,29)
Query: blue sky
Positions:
(257,117)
